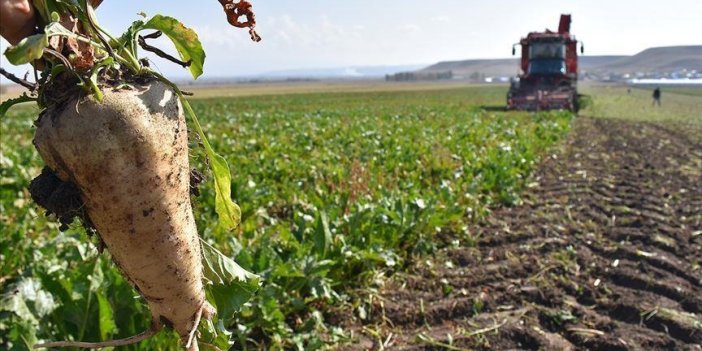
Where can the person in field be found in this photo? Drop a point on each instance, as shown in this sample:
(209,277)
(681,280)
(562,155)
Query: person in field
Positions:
(657,96)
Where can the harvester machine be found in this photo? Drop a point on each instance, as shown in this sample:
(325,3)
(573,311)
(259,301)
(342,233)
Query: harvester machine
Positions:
(549,71)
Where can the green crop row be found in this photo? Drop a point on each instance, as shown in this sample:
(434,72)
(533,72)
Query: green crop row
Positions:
(337,192)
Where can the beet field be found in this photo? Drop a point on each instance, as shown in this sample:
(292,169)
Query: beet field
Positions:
(417,219)
(338,191)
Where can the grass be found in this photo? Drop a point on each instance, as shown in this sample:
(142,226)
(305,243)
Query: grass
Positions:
(337,191)
(685,91)
(677,105)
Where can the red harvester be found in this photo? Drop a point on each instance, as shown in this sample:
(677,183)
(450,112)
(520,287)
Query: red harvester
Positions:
(549,76)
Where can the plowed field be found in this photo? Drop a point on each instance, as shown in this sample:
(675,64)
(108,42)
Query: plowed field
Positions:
(604,254)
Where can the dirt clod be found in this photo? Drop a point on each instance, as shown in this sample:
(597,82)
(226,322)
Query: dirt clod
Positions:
(60,198)
(196,178)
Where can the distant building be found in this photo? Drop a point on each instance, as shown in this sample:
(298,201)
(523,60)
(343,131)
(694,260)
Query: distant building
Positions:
(418,76)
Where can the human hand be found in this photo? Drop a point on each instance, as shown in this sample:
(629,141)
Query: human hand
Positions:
(17,19)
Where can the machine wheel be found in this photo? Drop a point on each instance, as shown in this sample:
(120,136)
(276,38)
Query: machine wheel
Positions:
(576,103)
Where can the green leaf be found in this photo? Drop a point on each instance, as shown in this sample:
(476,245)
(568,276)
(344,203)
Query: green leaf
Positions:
(128,39)
(106,317)
(220,269)
(214,333)
(57,69)
(96,277)
(22,334)
(185,40)
(93,81)
(45,8)
(126,45)
(56,28)
(231,286)
(229,213)
(322,235)
(14,302)
(11,102)
(72,7)
(29,49)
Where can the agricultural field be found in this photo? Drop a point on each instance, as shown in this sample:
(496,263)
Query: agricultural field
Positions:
(338,191)
(604,253)
(680,106)
(415,219)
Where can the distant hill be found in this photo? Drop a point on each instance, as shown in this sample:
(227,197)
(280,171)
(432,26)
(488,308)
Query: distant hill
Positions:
(661,59)
(340,72)
(509,67)
(487,67)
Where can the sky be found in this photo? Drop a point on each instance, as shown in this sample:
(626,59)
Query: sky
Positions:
(305,34)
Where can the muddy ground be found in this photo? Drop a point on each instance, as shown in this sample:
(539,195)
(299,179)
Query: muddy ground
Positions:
(604,254)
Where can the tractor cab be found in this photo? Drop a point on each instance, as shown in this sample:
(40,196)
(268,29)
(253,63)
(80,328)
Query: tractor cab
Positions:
(547,58)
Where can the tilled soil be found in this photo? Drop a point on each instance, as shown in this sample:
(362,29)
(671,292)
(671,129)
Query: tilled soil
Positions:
(604,254)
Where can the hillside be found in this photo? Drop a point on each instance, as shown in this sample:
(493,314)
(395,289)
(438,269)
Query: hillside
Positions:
(661,59)
(488,67)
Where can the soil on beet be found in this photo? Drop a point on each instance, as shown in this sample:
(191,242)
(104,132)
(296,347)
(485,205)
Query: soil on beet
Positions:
(60,198)
(604,254)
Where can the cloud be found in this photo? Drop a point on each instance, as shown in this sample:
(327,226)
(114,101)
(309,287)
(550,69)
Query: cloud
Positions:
(441,19)
(411,28)
(219,37)
(288,42)
(285,30)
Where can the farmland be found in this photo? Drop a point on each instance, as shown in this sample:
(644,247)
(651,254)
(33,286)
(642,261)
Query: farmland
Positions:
(420,219)
(603,254)
(337,190)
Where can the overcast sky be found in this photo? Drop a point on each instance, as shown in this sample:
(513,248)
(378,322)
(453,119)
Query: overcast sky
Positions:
(331,33)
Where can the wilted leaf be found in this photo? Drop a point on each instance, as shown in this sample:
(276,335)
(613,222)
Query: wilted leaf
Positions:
(242,9)
(29,49)
(185,40)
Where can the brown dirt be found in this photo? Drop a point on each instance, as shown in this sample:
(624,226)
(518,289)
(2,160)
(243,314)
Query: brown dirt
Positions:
(604,254)
(60,198)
